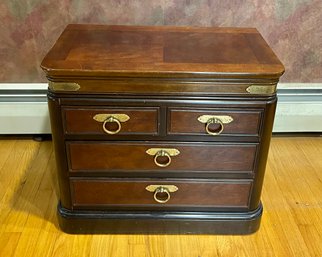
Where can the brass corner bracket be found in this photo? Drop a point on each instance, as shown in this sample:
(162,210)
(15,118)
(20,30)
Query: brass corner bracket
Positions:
(261,89)
(63,86)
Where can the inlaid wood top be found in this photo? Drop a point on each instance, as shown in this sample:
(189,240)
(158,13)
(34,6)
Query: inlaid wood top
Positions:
(103,50)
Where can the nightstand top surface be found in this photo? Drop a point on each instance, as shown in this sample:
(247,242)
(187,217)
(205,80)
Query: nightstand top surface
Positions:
(143,51)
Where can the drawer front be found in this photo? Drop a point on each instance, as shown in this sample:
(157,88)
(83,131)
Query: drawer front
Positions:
(122,156)
(184,121)
(98,121)
(180,193)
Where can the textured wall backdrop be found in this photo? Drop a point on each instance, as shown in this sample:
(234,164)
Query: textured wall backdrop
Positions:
(293,28)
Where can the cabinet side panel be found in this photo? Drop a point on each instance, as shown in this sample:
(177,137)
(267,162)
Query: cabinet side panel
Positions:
(60,151)
(267,127)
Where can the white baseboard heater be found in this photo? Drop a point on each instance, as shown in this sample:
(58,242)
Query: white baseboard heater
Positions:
(23,108)
(299,107)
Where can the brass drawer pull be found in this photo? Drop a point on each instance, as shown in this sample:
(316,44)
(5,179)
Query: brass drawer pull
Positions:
(111,118)
(161,192)
(165,152)
(215,119)
(212,121)
(161,154)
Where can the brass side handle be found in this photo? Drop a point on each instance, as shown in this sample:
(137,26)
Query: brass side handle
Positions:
(163,152)
(215,119)
(162,192)
(111,118)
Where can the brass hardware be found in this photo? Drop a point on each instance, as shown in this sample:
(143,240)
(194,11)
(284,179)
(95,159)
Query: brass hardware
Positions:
(167,152)
(261,89)
(218,119)
(162,153)
(170,151)
(223,118)
(161,189)
(110,118)
(171,188)
(63,86)
(104,116)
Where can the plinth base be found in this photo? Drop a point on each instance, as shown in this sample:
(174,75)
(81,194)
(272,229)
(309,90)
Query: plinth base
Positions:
(156,222)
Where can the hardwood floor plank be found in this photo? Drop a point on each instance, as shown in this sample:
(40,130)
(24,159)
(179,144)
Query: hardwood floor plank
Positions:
(6,147)
(23,202)
(100,245)
(8,243)
(296,187)
(14,174)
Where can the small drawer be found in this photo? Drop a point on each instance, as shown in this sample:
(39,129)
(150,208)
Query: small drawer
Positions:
(109,193)
(111,121)
(214,122)
(172,157)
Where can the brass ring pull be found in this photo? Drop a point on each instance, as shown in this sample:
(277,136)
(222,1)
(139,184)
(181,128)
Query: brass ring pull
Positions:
(111,120)
(217,121)
(161,193)
(161,190)
(162,153)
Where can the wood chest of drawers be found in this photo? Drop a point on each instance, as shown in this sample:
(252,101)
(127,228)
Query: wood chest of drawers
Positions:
(161,129)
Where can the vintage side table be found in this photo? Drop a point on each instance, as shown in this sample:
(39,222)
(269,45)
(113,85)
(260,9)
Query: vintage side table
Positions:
(161,129)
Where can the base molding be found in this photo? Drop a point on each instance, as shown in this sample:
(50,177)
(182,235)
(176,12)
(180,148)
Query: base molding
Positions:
(157,222)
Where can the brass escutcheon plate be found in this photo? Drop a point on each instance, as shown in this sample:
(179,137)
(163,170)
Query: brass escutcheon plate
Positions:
(170,151)
(170,188)
(223,118)
(104,116)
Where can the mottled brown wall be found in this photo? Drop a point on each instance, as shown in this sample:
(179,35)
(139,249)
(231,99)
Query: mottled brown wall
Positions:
(293,28)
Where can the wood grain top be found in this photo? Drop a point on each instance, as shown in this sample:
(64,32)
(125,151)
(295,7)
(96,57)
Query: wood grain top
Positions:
(132,51)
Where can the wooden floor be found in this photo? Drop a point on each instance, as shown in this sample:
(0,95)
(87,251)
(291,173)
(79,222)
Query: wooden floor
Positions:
(291,224)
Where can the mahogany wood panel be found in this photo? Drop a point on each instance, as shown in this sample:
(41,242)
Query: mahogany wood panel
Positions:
(127,156)
(79,120)
(161,51)
(114,193)
(185,121)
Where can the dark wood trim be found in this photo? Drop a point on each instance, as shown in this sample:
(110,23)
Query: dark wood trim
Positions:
(263,154)
(60,152)
(149,222)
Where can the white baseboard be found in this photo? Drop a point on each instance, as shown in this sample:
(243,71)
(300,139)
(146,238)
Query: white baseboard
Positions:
(299,107)
(23,108)
(24,118)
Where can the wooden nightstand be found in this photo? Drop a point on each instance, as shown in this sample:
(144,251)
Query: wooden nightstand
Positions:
(161,129)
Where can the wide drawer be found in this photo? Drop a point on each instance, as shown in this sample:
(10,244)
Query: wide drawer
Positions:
(214,122)
(100,192)
(153,156)
(111,121)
